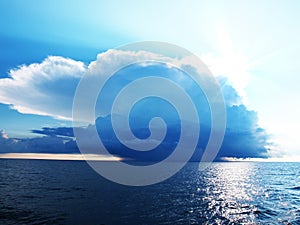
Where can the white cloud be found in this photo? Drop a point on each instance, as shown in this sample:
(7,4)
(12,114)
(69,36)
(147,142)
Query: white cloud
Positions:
(3,135)
(43,88)
(229,63)
(48,88)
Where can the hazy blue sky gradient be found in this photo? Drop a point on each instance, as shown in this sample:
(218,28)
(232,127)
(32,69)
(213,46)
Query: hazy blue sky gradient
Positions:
(254,44)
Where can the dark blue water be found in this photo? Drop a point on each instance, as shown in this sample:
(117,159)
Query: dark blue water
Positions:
(69,192)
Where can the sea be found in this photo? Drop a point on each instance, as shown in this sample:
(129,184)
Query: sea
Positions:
(70,192)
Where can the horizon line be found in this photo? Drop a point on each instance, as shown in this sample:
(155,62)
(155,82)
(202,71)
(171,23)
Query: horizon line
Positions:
(110,158)
(61,156)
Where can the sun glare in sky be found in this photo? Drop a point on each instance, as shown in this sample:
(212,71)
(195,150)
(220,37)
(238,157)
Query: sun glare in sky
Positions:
(254,46)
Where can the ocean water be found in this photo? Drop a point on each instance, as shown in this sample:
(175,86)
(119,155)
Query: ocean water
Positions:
(70,192)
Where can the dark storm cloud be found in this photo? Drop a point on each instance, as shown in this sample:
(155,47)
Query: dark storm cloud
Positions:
(45,144)
(243,137)
(59,131)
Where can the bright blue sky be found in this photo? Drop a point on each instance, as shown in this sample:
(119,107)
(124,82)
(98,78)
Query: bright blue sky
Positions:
(255,44)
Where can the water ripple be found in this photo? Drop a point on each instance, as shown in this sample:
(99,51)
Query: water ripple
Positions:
(58,192)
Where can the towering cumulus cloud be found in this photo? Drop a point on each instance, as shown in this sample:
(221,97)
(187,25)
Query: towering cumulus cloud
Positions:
(48,88)
(45,88)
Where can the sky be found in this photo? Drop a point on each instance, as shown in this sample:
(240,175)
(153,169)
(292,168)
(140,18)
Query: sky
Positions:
(254,45)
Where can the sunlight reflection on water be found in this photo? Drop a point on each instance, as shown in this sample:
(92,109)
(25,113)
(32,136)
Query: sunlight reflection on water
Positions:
(228,189)
(249,192)
(69,192)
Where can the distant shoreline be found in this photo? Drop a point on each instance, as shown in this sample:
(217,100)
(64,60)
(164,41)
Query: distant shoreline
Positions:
(60,156)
